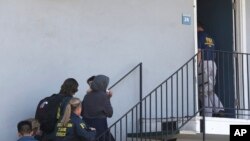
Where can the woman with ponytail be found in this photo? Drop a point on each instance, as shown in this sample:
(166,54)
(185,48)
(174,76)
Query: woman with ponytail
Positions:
(71,127)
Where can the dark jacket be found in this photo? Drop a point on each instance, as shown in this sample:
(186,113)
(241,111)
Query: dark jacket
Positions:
(27,138)
(206,42)
(96,104)
(76,130)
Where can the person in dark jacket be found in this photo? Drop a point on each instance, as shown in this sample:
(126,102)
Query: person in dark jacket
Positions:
(67,91)
(25,131)
(71,127)
(97,106)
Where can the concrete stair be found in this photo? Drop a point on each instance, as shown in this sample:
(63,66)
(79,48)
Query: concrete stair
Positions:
(182,137)
(199,137)
(217,129)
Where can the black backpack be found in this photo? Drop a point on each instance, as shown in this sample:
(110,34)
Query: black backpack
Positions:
(49,111)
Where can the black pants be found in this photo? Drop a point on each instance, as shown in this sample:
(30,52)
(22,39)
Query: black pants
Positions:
(101,126)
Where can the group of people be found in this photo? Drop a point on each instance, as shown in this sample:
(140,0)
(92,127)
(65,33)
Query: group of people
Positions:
(76,120)
(85,120)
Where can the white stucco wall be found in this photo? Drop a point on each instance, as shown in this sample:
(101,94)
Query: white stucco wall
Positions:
(43,42)
(247,24)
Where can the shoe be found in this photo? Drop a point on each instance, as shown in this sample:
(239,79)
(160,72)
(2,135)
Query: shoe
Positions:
(221,113)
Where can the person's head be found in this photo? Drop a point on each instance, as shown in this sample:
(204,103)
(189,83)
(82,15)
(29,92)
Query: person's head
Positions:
(35,125)
(69,87)
(200,26)
(24,128)
(90,80)
(100,83)
(74,106)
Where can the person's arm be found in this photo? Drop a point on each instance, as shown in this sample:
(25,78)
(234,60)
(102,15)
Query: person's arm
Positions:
(82,112)
(108,110)
(85,133)
(199,56)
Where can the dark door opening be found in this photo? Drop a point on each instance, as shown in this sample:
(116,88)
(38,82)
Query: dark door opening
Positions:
(217,16)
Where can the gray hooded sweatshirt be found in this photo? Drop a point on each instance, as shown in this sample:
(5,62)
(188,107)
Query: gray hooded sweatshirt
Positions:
(96,104)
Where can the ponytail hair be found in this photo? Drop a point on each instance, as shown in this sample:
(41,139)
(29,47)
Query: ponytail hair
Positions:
(73,104)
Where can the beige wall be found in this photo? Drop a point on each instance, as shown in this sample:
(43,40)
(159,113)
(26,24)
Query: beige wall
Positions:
(248,25)
(43,42)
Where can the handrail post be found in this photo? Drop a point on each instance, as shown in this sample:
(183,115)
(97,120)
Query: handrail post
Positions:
(203,97)
(140,97)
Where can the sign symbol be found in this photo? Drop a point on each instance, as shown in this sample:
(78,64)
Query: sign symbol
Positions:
(239,132)
(186,19)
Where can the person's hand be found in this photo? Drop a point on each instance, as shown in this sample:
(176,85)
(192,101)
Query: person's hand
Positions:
(92,129)
(89,90)
(39,133)
(199,62)
(109,93)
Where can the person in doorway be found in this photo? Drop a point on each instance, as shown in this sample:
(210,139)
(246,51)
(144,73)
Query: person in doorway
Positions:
(207,74)
(25,131)
(97,107)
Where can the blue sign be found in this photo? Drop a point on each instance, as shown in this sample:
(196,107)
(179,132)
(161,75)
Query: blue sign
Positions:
(186,20)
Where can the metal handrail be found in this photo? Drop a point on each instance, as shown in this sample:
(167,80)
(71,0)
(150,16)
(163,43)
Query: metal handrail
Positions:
(140,81)
(144,100)
(178,88)
(139,65)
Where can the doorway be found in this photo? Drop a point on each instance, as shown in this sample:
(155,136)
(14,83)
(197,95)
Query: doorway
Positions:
(218,18)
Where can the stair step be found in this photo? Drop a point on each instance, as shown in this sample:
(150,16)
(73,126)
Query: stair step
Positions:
(199,137)
(158,136)
(176,137)
(160,124)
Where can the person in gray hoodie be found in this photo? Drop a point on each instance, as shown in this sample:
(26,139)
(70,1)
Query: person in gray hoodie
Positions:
(97,106)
